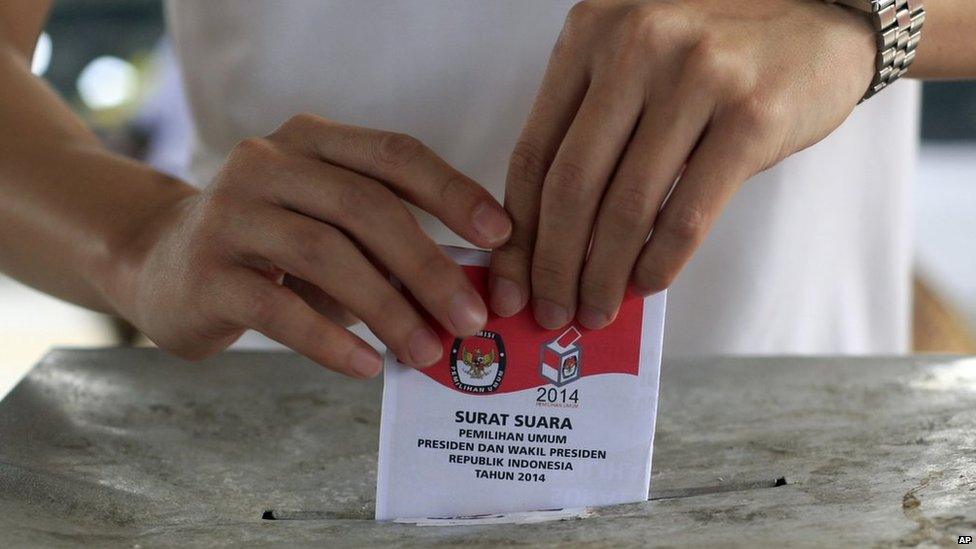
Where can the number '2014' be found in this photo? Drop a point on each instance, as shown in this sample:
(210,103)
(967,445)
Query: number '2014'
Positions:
(553,395)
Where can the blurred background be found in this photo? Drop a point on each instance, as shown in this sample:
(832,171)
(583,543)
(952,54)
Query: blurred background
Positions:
(111,60)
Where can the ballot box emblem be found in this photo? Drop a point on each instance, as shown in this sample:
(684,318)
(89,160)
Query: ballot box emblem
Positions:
(561,360)
(478,362)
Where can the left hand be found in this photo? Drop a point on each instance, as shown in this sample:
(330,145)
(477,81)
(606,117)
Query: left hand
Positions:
(638,93)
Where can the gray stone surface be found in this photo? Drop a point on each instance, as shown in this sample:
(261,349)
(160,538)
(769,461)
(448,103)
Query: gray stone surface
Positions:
(131,447)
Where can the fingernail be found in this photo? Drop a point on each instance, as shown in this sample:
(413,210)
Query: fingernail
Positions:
(365,363)
(506,296)
(549,314)
(491,222)
(467,312)
(593,318)
(425,347)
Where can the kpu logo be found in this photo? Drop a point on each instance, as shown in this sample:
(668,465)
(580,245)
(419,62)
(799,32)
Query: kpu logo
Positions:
(478,362)
(561,360)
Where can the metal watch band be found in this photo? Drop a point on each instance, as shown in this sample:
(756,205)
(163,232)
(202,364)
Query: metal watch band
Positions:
(899,28)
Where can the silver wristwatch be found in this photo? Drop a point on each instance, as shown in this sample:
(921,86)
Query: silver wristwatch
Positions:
(899,28)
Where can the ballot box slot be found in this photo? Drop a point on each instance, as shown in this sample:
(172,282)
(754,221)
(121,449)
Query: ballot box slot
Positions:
(366,512)
(742,486)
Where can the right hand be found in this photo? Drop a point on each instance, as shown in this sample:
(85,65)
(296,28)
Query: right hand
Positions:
(296,231)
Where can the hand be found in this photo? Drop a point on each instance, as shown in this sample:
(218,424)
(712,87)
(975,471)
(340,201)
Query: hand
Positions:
(638,93)
(313,211)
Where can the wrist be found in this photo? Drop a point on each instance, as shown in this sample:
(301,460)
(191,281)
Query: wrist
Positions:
(897,29)
(861,49)
(122,254)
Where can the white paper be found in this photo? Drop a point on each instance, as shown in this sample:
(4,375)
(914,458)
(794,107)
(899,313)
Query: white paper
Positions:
(519,418)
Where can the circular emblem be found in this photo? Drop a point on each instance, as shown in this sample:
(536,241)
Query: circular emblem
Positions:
(478,362)
(570,365)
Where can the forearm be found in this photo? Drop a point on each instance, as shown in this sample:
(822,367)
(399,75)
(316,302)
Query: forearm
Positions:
(69,209)
(948,46)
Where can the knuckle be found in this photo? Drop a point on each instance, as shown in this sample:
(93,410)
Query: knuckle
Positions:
(452,188)
(713,66)
(758,115)
(652,26)
(306,119)
(264,307)
(528,162)
(250,156)
(392,304)
(565,47)
(434,265)
(252,147)
(360,198)
(393,151)
(582,13)
(388,308)
(518,249)
(512,259)
(313,247)
(433,274)
(688,224)
(299,123)
(250,163)
(707,62)
(632,207)
(551,272)
(568,181)
(582,17)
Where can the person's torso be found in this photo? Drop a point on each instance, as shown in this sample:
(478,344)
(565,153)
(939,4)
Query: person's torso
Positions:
(812,256)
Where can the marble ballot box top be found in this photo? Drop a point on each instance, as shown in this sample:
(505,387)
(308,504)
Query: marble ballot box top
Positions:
(124,447)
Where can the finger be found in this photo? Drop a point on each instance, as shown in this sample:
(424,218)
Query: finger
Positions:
(319,301)
(655,155)
(377,219)
(719,165)
(410,169)
(572,192)
(278,313)
(321,254)
(558,99)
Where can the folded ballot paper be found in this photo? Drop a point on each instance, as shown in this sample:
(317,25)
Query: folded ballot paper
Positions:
(520,418)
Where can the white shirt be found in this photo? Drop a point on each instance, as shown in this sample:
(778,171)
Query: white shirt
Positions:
(812,256)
